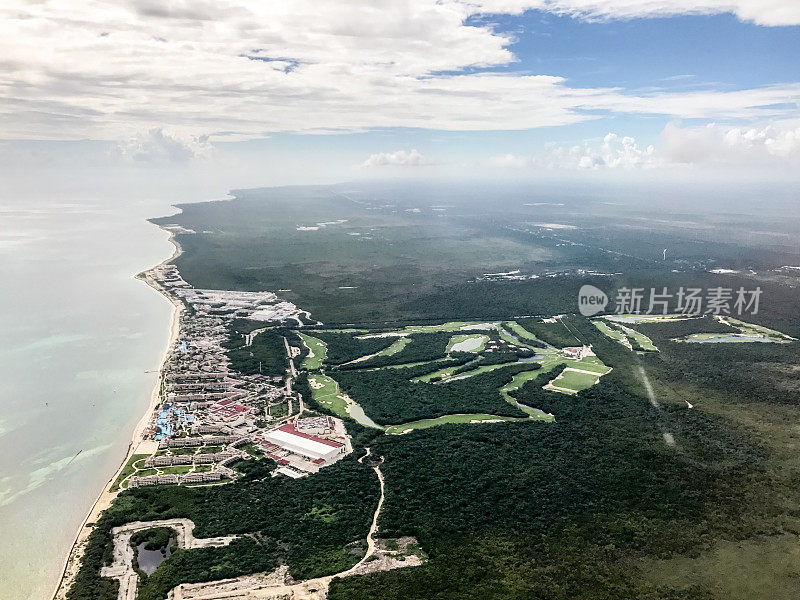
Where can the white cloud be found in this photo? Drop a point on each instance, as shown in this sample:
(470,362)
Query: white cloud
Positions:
(612,152)
(107,69)
(399,158)
(509,161)
(158,147)
(771,146)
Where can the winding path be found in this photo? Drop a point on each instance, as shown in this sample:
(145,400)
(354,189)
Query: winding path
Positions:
(278,585)
(374,527)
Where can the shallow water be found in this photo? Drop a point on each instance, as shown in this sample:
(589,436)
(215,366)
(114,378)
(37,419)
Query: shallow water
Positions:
(80,343)
(358,414)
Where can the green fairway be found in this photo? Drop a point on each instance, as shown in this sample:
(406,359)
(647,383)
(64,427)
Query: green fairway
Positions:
(520,331)
(611,332)
(752,329)
(325,392)
(521,379)
(508,338)
(317,350)
(644,342)
(451,326)
(517,382)
(551,358)
(627,336)
(637,318)
(426,423)
(441,374)
(412,364)
(748,332)
(395,347)
(477,326)
(573,381)
(476,371)
(589,363)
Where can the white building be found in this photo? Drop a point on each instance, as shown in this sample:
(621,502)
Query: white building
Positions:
(315,448)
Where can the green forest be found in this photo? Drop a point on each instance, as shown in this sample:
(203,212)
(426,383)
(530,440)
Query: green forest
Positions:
(676,477)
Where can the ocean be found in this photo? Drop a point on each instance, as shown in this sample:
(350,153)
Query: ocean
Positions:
(80,343)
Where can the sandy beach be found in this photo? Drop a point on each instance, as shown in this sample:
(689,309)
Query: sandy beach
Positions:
(106,497)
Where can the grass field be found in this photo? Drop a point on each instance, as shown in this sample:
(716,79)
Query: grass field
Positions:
(325,392)
(612,333)
(450,326)
(517,382)
(476,371)
(317,352)
(441,373)
(749,333)
(573,381)
(175,469)
(447,419)
(395,347)
(520,331)
(626,335)
(589,363)
(635,318)
(753,329)
(645,342)
(128,470)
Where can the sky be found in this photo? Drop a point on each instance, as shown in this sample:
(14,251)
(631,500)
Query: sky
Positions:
(303,91)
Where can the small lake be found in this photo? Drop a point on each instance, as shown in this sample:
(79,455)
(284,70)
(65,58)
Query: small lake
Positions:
(359,416)
(469,344)
(530,359)
(150,559)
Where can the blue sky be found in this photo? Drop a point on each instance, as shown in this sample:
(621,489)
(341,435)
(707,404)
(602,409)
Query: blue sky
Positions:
(400,85)
(718,51)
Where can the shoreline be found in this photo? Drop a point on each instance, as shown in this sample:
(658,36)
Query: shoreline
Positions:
(106,496)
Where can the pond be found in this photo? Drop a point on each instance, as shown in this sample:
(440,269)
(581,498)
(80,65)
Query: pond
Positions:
(358,415)
(150,559)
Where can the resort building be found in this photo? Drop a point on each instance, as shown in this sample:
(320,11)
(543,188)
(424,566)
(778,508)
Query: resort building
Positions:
(315,448)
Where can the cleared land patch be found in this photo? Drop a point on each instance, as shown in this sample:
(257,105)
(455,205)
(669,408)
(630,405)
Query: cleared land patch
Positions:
(467,343)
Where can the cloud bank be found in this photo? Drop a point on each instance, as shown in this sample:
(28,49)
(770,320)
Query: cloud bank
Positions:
(158,147)
(109,69)
(773,147)
(400,158)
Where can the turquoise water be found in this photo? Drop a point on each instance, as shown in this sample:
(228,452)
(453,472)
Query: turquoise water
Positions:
(80,343)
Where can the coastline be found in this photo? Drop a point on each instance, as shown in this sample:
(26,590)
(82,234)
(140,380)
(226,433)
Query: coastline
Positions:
(106,497)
